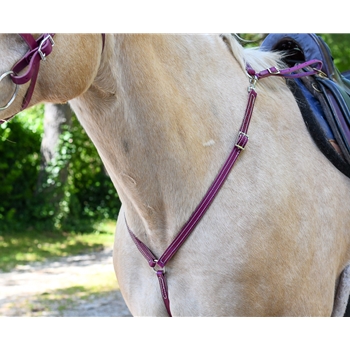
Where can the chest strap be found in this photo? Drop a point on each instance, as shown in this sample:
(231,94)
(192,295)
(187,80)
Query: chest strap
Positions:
(158,265)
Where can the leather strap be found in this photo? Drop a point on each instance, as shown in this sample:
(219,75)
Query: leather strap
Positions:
(240,144)
(38,50)
(152,262)
(103,41)
(164,290)
(289,72)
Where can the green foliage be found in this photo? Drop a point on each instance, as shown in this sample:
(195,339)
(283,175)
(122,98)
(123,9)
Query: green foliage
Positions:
(88,193)
(252,39)
(19,159)
(84,194)
(339,46)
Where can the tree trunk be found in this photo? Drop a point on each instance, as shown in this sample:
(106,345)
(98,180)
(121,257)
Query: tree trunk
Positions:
(55,116)
(51,193)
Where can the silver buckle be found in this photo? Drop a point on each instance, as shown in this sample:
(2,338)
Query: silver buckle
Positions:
(252,83)
(14,94)
(42,55)
(274,73)
(321,74)
(236,143)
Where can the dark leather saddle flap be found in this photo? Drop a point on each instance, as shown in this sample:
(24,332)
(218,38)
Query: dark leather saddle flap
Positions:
(338,102)
(327,95)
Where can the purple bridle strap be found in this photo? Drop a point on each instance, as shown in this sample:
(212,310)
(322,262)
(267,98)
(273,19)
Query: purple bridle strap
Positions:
(240,144)
(38,50)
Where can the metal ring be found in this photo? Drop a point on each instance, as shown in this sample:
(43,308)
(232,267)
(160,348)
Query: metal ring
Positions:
(154,267)
(14,94)
(321,74)
(315,87)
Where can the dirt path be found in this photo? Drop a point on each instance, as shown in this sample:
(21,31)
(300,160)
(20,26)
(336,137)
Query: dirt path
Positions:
(21,288)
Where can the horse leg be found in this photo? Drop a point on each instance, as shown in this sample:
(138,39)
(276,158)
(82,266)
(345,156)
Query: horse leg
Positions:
(347,311)
(341,301)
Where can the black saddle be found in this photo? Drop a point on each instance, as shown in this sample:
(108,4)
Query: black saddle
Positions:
(324,99)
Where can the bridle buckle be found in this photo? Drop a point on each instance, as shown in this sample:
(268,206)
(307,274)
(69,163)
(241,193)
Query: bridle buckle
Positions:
(238,139)
(41,53)
(252,82)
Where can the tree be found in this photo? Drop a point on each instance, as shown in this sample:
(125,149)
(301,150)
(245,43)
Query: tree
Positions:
(339,46)
(51,179)
(55,116)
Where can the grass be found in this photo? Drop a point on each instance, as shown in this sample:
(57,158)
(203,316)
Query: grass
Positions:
(25,246)
(21,247)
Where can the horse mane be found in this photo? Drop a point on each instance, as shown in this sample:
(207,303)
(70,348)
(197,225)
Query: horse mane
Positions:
(257,59)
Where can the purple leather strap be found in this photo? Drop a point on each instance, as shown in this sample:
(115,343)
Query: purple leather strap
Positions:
(289,72)
(153,262)
(38,50)
(144,250)
(164,290)
(29,39)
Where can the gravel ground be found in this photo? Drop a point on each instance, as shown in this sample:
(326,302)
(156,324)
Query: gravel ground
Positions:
(21,286)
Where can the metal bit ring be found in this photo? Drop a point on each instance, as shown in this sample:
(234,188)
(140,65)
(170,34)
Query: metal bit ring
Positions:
(14,94)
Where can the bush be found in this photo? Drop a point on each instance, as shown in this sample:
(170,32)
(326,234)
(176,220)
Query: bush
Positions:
(19,163)
(87,195)
(338,44)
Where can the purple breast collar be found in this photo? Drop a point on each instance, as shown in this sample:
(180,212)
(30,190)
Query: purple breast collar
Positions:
(158,264)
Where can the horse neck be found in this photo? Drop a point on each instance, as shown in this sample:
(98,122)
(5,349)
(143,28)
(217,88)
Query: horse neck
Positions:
(163,114)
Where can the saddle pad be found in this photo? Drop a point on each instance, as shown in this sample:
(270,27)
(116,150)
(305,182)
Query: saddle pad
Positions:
(324,101)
